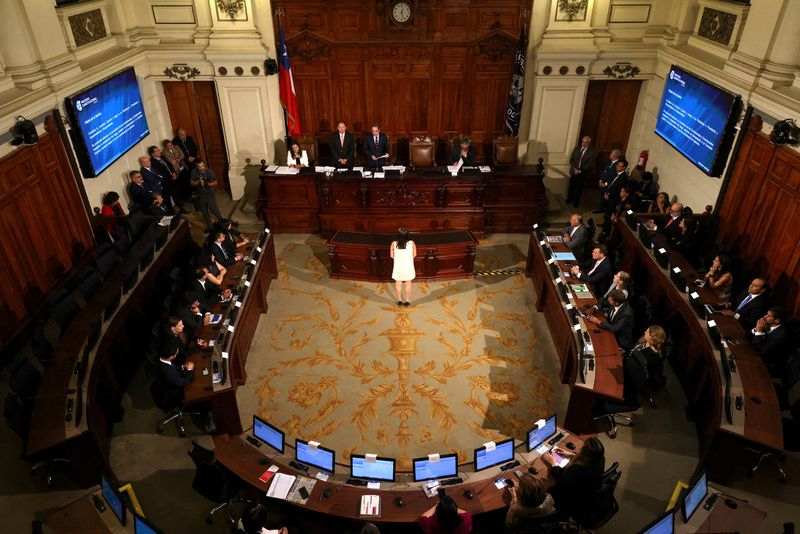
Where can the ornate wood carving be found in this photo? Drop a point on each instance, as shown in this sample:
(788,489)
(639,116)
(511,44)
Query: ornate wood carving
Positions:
(496,45)
(400,197)
(307,46)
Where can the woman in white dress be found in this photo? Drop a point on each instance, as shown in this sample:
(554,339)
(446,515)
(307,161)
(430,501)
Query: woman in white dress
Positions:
(403,252)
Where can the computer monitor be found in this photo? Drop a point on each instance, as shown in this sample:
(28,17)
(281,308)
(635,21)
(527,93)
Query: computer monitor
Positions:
(424,469)
(321,458)
(503,452)
(663,524)
(537,436)
(268,434)
(380,469)
(113,499)
(694,496)
(142,526)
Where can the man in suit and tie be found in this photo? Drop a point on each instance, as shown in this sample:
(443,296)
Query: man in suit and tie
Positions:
(187,145)
(220,252)
(138,192)
(672,224)
(581,163)
(343,147)
(614,185)
(168,176)
(157,208)
(772,339)
(206,292)
(576,237)
(376,148)
(751,305)
(606,175)
(598,273)
(620,319)
(175,375)
(152,180)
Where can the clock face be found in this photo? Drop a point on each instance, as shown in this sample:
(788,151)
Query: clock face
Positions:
(401,12)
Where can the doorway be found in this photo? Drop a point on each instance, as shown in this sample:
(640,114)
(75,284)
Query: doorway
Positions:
(194,106)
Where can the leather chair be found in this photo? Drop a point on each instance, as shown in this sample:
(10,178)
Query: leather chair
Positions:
(505,150)
(170,400)
(602,505)
(213,481)
(635,377)
(309,144)
(422,151)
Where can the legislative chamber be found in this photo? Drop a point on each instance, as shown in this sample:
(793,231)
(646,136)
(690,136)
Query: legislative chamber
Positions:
(399,266)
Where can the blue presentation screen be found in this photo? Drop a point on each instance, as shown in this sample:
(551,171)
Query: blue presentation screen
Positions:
(694,497)
(112,499)
(503,452)
(663,525)
(111,118)
(268,434)
(447,466)
(538,436)
(380,469)
(320,458)
(693,117)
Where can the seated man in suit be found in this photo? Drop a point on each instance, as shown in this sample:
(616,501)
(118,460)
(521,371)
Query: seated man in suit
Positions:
(173,374)
(192,314)
(464,153)
(221,252)
(772,339)
(671,225)
(751,305)
(576,237)
(206,292)
(620,319)
(157,208)
(598,272)
(343,147)
(376,148)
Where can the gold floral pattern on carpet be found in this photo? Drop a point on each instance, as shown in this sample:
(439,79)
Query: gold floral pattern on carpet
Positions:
(339,363)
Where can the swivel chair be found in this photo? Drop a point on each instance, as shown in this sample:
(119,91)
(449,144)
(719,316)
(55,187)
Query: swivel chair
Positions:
(602,505)
(635,376)
(170,400)
(213,481)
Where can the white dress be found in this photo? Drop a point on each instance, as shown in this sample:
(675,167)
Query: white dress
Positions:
(403,262)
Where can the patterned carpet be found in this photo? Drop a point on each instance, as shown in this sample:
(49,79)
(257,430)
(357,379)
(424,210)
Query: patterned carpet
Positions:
(338,362)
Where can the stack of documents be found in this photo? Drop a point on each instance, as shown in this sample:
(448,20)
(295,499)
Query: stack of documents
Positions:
(287,170)
(281,484)
(370,506)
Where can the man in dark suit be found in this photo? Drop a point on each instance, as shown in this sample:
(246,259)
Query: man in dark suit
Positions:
(620,319)
(751,305)
(598,273)
(206,292)
(772,339)
(607,174)
(343,147)
(187,145)
(175,375)
(464,152)
(581,163)
(192,314)
(576,237)
(614,185)
(157,208)
(152,180)
(138,192)
(168,176)
(672,224)
(376,148)
(220,251)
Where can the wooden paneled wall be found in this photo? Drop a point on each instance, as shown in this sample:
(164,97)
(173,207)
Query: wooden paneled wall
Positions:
(447,73)
(760,215)
(45,229)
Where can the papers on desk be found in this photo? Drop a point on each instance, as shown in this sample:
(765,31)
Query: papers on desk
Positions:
(379,174)
(370,506)
(271,168)
(281,484)
(555,239)
(359,169)
(564,256)
(485,168)
(165,220)
(400,168)
(287,170)
(581,291)
(324,169)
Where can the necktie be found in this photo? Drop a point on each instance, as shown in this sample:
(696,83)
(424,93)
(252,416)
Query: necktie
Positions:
(611,315)
(225,254)
(744,302)
(669,222)
(595,267)
(341,139)
(376,141)
(583,151)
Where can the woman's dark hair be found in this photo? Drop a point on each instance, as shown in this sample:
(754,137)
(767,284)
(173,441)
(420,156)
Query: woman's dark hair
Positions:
(647,176)
(691,224)
(254,519)
(369,528)
(531,491)
(299,148)
(447,513)
(110,197)
(592,452)
(222,225)
(723,261)
(403,238)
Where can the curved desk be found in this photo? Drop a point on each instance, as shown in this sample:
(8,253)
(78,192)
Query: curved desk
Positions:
(244,460)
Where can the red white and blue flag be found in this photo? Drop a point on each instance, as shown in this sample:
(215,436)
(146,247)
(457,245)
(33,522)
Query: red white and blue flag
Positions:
(288,94)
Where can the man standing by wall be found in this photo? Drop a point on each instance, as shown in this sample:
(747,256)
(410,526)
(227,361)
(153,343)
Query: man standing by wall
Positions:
(581,162)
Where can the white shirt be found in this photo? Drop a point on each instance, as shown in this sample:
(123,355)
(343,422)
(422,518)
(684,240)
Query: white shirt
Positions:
(597,263)
(303,158)
(771,330)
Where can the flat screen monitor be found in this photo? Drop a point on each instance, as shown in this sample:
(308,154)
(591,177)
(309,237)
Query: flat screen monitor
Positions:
(142,526)
(321,458)
(113,499)
(537,436)
(268,434)
(446,467)
(694,496)
(697,119)
(663,524)
(503,452)
(380,469)
(107,120)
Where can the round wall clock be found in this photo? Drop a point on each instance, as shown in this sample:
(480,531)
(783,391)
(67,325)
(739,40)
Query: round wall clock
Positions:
(401,12)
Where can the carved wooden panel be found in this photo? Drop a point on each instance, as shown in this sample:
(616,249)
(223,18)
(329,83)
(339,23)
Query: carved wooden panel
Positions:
(447,73)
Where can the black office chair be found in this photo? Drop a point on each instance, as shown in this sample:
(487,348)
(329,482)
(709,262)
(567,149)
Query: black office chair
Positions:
(170,400)
(635,374)
(602,505)
(215,483)
(546,524)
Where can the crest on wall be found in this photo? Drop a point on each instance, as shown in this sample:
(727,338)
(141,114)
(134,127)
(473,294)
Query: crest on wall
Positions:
(231,9)
(87,27)
(496,45)
(621,71)
(182,71)
(307,46)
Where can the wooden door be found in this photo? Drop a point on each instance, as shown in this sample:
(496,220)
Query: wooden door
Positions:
(608,116)
(194,106)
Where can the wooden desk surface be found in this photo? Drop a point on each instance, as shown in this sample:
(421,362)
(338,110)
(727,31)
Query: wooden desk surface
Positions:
(81,517)
(721,518)
(243,460)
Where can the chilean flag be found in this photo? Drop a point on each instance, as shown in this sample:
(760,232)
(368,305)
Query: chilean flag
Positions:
(288,95)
